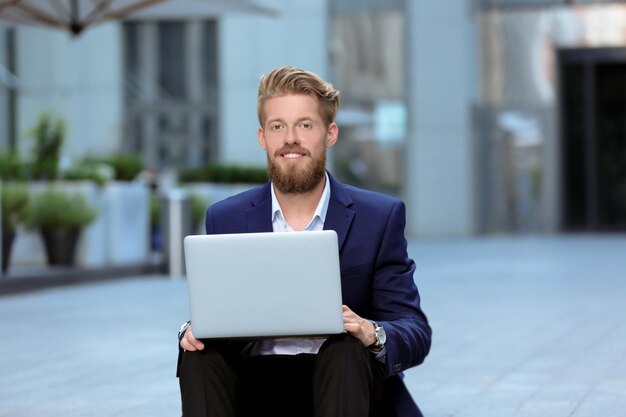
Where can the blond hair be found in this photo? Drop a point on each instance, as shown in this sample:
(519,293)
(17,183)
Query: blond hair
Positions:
(291,80)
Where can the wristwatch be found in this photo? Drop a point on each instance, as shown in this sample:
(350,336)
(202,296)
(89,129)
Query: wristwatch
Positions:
(381,336)
(183,330)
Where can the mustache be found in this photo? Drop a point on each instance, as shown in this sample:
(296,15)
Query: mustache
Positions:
(291,149)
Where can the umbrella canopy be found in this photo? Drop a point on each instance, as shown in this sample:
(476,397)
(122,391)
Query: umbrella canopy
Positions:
(77,15)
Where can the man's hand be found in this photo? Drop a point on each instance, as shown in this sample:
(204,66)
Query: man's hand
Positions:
(190,343)
(358,327)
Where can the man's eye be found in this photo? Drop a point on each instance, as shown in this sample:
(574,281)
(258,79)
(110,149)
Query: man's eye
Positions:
(276,127)
(306,125)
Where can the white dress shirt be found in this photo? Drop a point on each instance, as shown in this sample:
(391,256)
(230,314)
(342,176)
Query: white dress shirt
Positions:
(279,224)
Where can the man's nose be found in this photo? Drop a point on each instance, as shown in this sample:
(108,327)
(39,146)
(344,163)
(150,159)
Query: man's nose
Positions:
(291,137)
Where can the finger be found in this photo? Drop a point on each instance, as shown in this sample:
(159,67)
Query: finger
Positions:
(352,328)
(351,316)
(348,313)
(188,347)
(355,330)
(196,343)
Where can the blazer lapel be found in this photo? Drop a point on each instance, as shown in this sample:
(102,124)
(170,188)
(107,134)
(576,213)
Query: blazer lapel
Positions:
(259,216)
(339,216)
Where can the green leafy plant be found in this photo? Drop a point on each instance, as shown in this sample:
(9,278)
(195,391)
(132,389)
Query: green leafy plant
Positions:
(14,201)
(12,167)
(91,171)
(198,205)
(49,134)
(54,208)
(229,174)
(125,166)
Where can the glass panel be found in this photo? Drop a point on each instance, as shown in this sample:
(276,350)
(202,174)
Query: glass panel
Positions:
(368,66)
(168,128)
(611,151)
(4,92)
(208,149)
(131,59)
(573,134)
(172,62)
(209,60)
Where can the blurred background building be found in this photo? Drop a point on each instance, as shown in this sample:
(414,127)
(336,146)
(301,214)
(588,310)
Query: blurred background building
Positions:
(486,116)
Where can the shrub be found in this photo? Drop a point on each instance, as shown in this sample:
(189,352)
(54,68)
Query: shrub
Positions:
(90,171)
(198,208)
(125,166)
(12,167)
(14,201)
(54,208)
(230,174)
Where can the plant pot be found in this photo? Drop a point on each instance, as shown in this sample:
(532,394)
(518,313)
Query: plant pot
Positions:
(60,245)
(8,236)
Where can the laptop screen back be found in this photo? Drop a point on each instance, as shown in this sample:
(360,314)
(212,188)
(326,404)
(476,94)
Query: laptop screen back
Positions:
(259,285)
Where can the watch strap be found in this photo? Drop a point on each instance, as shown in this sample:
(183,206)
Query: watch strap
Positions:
(376,346)
(183,330)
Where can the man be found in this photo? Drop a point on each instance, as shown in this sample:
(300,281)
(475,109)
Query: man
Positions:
(357,373)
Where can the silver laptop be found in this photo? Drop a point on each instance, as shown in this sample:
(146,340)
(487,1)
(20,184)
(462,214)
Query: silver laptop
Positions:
(257,285)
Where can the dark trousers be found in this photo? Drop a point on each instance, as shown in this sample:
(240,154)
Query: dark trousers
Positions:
(343,379)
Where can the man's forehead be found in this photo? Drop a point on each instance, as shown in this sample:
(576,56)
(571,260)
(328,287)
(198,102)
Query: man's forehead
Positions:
(308,106)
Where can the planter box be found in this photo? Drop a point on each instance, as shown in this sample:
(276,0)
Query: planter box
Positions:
(118,236)
(128,223)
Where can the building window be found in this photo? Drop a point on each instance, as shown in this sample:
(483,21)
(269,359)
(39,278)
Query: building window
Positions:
(172,59)
(368,65)
(171,92)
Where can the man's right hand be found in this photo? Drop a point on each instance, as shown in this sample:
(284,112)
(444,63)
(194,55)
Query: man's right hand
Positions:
(189,342)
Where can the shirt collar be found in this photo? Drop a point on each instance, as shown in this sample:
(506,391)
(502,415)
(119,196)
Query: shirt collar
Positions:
(320,211)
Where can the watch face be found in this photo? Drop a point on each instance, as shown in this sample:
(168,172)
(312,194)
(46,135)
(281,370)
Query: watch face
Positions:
(381,336)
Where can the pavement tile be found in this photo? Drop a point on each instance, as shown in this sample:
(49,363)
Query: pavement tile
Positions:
(522,327)
(552,408)
(486,410)
(601,404)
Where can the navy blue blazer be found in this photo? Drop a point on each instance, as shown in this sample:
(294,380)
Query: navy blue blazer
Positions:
(376,272)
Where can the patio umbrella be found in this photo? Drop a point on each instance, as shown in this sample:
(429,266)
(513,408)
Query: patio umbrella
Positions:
(77,15)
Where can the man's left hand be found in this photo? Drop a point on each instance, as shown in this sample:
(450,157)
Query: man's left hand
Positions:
(358,327)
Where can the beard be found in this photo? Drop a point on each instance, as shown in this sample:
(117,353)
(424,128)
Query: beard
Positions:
(294,180)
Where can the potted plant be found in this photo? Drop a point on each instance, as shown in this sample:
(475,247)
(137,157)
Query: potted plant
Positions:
(216,182)
(85,170)
(49,134)
(60,217)
(14,200)
(224,174)
(198,206)
(126,167)
(12,168)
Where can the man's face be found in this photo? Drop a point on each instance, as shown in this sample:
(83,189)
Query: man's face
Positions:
(295,137)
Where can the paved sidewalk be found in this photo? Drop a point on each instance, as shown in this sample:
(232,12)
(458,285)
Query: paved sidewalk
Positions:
(522,327)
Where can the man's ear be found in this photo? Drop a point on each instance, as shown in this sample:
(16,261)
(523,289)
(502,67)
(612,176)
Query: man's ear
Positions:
(332,134)
(261,137)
